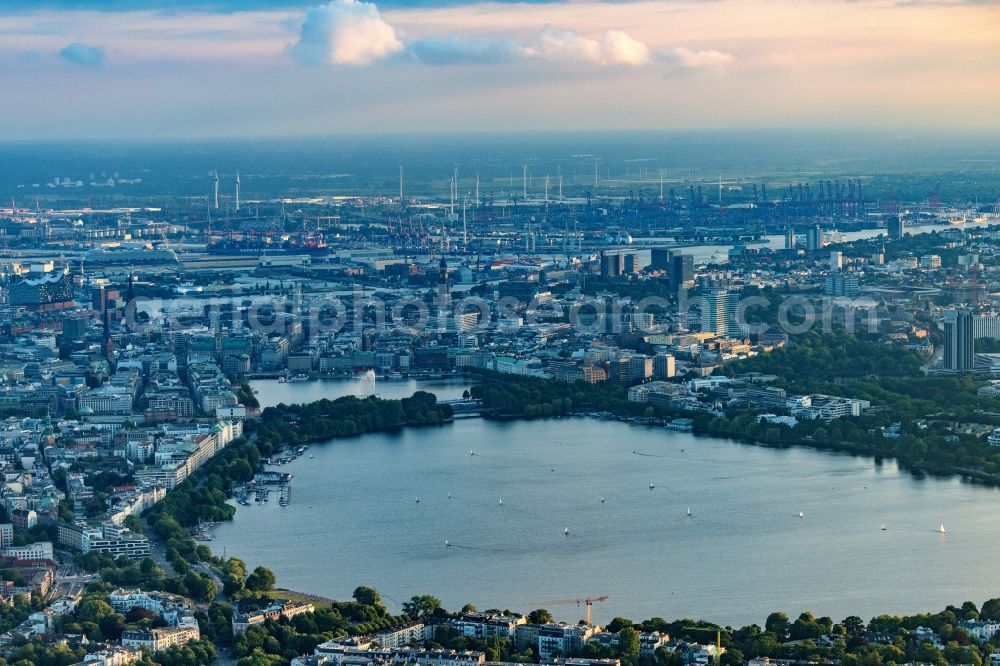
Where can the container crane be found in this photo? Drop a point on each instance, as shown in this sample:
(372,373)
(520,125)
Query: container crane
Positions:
(588,601)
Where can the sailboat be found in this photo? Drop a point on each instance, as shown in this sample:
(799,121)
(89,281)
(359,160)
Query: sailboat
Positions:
(801,515)
(942,530)
(449,495)
(418,500)
(566,530)
(446,544)
(883,527)
(651,486)
(501,501)
(689,512)
(471,452)
(602,500)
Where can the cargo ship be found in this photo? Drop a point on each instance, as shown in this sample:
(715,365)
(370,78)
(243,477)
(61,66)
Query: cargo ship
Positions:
(257,247)
(130,255)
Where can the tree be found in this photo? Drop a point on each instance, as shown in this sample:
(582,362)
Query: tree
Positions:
(853,625)
(539,616)
(367,596)
(619,623)
(261,580)
(421,606)
(777,624)
(628,642)
(990,610)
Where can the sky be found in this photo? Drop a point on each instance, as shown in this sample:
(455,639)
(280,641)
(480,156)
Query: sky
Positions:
(227,68)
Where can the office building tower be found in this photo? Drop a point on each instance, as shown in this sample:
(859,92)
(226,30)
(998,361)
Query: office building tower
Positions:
(790,239)
(664,366)
(612,265)
(719,313)
(958,340)
(896,227)
(681,271)
(836,260)
(814,239)
(660,258)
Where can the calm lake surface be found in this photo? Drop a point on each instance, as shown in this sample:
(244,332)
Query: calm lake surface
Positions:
(354,520)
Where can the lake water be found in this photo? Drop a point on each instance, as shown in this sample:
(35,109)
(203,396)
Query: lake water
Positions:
(354,520)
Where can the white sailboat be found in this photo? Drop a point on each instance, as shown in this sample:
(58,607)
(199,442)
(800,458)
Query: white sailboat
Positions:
(689,512)
(801,515)
(942,530)
(883,527)
(566,530)
(651,486)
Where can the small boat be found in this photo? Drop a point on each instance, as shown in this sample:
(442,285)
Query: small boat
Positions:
(942,530)
(300,378)
(283,502)
(651,486)
(417,500)
(449,495)
(602,500)
(566,530)
(801,515)
(689,512)
(501,501)
(282,380)
(311,456)
(883,527)
(471,452)
(446,544)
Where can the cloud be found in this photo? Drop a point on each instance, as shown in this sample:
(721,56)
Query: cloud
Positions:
(81,54)
(345,32)
(619,48)
(457,50)
(689,59)
(353,32)
(615,48)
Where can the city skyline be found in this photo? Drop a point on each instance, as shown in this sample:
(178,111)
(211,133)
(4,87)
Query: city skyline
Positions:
(87,69)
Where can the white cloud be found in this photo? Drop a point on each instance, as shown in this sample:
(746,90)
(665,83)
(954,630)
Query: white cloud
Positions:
(687,58)
(345,32)
(620,48)
(615,48)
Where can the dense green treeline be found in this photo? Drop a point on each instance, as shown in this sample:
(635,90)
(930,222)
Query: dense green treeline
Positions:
(345,417)
(883,639)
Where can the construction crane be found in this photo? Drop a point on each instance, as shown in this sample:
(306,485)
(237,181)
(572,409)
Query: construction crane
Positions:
(588,601)
(718,640)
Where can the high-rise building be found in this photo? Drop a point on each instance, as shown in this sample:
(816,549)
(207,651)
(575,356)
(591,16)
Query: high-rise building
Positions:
(719,313)
(681,270)
(660,258)
(896,227)
(790,239)
(814,239)
(612,265)
(664,366)
(841,284)
(836,260)
(958,340)
(631,264)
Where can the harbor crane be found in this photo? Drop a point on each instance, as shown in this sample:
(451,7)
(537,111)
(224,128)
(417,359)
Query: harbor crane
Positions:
(588,601)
